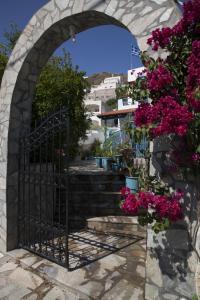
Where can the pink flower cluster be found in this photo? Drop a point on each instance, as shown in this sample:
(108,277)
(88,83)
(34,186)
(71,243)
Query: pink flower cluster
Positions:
(196,157)
(174,85)
(193,78)
(191,16)
(166,116)
(159,79)
(144,115)
(164,206)
(160,38)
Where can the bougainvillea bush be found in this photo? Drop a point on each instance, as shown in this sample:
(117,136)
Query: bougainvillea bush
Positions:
(173,86)
(161,210)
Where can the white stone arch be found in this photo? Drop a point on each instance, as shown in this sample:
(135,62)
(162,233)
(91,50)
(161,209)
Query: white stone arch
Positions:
(45,32)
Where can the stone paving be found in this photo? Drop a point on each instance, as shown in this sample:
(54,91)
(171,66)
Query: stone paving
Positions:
(119,276)
(85,167)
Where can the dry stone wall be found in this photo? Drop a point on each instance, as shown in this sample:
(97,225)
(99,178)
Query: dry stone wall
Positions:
(173,255)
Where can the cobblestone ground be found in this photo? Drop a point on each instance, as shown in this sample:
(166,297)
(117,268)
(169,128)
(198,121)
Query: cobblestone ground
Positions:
(119,276)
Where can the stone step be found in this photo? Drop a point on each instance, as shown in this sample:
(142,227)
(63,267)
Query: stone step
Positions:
(89,204)
(102,186)
(94,178)
(95,201)
(117,224)
(94,196)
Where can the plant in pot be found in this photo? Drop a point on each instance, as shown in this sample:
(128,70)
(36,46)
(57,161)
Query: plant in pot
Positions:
(118,161)
(96,151)
(98,157)
(107,155)
(107,159)
(131,168)
(119,153)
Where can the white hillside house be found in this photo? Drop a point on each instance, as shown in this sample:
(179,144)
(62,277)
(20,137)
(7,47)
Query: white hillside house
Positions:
(95,101)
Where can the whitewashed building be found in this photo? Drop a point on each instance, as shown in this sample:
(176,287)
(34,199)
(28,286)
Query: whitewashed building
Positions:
(125,106)
(96,99)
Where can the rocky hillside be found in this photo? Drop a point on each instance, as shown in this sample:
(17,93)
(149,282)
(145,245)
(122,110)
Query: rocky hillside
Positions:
(97,78)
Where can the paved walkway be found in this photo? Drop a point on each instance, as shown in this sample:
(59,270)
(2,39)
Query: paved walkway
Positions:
(119,276)
(85,167)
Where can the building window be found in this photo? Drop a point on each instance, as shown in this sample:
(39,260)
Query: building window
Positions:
(125,101)
(92,108)
(116,122)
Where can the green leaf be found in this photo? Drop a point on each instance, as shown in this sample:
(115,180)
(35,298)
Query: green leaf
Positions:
(198,149)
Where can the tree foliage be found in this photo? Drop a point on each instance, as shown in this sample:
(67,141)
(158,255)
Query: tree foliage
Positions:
(10,38)
(112,103)
(60,85)
(122,92)
(3,62)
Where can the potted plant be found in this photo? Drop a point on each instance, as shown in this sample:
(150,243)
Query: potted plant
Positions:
(96,152)
(133,170)
(107,159)
(118,157)
(98,157)
(117,164)
(107,155)
(115,167)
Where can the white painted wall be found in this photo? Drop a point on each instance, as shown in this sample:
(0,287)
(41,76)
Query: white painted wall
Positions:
(134,73)
(127,103)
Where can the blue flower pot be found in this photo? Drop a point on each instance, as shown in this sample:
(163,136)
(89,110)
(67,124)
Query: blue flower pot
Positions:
(106,163)
(98,161)
(118,158)
(132,184)
(115,167)
(119,161)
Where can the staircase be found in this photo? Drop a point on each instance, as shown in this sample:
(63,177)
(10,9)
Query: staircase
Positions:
(94,204)
(94,195)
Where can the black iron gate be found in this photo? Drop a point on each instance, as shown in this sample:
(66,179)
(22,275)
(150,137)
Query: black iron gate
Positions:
(44,195)
(44,188)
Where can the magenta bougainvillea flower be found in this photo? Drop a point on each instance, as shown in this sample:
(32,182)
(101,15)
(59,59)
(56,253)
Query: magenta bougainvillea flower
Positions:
(161,38)
(173,86)
(161,206)
(167,116)
(159,78)
(193,77)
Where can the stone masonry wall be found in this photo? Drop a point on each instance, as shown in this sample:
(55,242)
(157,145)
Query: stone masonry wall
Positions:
(173,255)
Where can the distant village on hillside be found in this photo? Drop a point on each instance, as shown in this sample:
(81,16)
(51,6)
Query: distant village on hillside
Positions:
(108,109)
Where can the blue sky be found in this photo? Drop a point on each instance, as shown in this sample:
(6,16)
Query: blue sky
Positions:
(103,48)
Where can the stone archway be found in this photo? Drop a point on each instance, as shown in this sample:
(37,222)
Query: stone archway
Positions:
(46,31)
